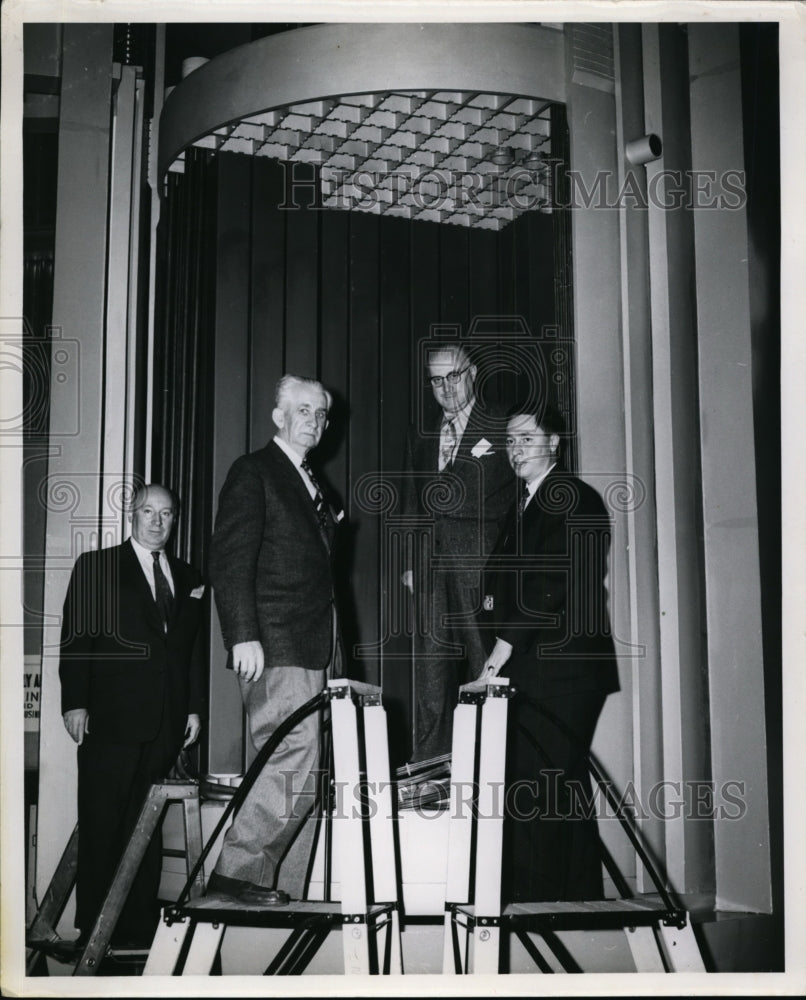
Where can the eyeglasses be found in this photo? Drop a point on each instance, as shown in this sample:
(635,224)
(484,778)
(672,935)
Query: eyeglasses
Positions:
(452,377)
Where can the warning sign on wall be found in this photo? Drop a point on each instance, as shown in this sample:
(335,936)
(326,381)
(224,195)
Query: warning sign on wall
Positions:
(32,692)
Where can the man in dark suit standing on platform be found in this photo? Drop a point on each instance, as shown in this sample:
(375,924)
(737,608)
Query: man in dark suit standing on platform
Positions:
(131,677)
(271,570)
(546,625)
(458,480)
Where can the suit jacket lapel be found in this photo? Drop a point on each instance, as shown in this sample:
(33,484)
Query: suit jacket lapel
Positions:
(180,587)
(431,445)
(293,476)
(430,448)
(470,436)
(474,431)
(131,569)
(533,514)
(305,499)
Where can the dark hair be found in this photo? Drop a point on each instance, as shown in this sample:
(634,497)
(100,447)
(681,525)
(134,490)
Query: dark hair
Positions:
(545,416)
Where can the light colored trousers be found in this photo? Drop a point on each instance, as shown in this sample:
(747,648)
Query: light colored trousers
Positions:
(271,838)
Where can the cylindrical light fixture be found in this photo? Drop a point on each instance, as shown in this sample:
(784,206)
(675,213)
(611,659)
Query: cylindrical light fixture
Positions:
(644,150)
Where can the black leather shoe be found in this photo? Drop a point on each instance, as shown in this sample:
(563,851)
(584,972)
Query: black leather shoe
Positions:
(223,885)
(259,895)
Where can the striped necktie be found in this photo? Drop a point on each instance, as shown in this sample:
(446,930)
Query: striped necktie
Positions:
(319,499)
(448,445)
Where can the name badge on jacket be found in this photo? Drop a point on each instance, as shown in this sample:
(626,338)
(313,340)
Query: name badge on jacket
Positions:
(489,602)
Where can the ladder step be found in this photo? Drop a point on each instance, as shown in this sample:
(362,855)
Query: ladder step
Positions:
(217,908)
(596,914)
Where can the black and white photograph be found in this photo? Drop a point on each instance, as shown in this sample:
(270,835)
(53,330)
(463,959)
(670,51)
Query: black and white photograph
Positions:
(401,522)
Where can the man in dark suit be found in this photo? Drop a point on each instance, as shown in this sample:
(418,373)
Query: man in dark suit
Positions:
(131,678)
(270,566)
(546,625)
(459,482)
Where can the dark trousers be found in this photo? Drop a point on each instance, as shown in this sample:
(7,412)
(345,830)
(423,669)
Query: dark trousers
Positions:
(448,651)
(113,781)
(552,849)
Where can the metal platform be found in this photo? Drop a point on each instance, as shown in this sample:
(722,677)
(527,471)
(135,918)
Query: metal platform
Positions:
(217,908)
(605,914)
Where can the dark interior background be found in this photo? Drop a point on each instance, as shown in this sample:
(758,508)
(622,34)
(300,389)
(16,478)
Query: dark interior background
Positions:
(365,289)
(255,280)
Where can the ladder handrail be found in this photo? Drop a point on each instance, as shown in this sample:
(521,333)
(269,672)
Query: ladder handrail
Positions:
(195,929)
(248,780)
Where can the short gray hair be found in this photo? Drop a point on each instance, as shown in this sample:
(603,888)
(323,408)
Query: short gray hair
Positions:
(287,384)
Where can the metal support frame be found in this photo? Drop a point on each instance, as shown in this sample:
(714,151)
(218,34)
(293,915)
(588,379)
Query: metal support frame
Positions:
(658,932)
(42,938)
(42,928)
(477,783)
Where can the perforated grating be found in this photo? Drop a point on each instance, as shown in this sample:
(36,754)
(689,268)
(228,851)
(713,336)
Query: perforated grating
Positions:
(466,159)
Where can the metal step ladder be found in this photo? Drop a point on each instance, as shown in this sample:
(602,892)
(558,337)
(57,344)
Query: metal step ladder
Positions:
(658,933)
(41,936)
(190,935)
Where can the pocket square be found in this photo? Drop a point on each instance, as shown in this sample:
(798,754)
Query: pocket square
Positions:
(480,448)
(197,592)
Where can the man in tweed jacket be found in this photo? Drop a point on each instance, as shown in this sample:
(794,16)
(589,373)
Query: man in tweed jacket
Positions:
(270,566)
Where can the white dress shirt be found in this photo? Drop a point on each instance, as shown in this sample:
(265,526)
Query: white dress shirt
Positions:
(296,458)
(146,560)
(532,487)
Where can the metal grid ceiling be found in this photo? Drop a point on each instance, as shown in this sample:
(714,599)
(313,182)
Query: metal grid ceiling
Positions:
(466,159)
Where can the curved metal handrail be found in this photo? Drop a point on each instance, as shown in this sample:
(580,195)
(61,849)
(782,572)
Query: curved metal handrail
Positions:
(606,784)
(249,779)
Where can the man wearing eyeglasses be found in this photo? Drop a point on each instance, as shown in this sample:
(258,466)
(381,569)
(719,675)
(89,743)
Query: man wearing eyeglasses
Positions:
(458,483)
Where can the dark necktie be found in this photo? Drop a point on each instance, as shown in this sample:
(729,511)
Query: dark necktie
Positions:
(524,497)
(162,589)
(318,500)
